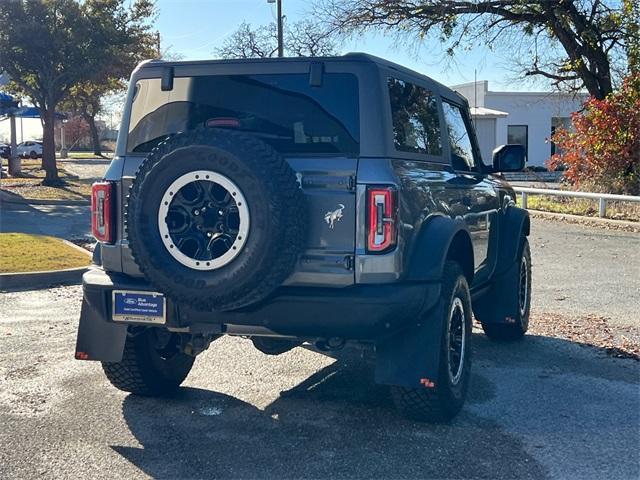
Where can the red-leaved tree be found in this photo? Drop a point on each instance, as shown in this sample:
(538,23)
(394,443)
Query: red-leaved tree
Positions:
(76,130)
(603,151)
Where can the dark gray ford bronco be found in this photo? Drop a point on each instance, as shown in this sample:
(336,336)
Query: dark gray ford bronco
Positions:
(314,200)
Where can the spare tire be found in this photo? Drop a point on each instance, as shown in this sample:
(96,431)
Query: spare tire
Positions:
(215,219)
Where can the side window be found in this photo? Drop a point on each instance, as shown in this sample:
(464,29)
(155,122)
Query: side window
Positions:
(461,149)
(416,126)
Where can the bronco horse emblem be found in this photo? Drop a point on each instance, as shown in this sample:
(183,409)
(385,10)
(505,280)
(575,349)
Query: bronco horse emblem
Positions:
(334,216)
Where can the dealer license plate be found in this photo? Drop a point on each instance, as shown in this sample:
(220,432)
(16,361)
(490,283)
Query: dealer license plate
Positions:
(145,307)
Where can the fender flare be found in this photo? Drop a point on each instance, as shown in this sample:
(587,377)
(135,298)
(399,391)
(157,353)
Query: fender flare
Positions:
(432,246)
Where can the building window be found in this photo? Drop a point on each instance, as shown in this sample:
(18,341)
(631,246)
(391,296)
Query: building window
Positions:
(558,123)
(519,135)
(414,111)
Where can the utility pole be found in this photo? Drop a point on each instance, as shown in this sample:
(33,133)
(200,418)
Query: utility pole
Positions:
(15,163)
(9,107)
(279,22)
(158,44)
(280,35)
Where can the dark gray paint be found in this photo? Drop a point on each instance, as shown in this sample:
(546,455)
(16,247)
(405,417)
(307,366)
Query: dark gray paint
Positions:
(426,184)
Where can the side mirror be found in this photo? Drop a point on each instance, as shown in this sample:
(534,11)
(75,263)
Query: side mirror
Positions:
(508,158)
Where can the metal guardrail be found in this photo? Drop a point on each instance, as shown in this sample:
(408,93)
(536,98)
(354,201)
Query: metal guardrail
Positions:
(601,197)
(549,177)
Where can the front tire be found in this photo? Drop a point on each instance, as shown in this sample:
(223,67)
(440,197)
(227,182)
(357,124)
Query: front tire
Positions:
(151,365)
(442,401)
(33,154)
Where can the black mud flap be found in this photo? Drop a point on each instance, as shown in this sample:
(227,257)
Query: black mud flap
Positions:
(494,305)
(411,357)
(98,339)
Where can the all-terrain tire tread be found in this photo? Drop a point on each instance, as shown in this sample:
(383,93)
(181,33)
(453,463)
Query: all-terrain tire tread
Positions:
(135,374)
(422,404)
(292,208)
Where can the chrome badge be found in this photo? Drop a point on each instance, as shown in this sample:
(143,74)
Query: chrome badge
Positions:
(334,216)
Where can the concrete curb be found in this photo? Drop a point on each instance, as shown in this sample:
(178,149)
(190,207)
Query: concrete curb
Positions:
(45,278)
(590,221)
(13,198)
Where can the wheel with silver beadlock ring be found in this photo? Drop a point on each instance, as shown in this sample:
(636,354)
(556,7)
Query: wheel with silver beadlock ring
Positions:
(215,219)
(203,220)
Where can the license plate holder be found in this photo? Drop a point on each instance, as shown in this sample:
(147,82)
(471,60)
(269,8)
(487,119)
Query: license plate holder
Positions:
(139,306)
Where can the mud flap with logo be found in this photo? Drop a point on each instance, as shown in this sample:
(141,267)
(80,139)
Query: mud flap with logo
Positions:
(411,357)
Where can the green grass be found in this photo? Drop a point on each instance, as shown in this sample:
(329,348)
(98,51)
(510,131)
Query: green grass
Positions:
(584,207)
(20,252)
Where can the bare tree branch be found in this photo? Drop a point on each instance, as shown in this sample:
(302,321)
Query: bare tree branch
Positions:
(302,39)
(587,32)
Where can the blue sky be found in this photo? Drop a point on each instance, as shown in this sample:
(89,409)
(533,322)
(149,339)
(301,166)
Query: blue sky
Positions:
(194,28)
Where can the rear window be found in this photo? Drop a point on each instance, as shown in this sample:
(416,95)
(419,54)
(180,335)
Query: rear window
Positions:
(283,110)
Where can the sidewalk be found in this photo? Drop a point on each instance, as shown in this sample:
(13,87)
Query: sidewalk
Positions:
(87,168)
(64,221)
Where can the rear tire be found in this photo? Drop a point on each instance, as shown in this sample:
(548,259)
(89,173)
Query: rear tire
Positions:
(521,281)
(443,401)
(33,154)
(151,364)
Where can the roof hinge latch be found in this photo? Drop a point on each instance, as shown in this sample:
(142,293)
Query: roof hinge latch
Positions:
(316,70)
(166,82)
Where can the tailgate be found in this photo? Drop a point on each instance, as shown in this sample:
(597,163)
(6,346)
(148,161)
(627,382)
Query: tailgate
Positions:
(329,187)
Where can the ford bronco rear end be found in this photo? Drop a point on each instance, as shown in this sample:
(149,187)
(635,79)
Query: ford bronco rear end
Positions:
(302,200)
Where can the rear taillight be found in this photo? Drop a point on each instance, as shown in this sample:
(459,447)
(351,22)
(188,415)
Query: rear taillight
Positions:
(382,214)
(102,197)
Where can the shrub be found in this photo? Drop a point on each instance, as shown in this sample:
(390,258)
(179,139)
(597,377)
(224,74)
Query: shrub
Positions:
(603,151)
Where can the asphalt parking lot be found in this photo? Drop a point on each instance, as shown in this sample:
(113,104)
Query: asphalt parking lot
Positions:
(541,408)
(579,270)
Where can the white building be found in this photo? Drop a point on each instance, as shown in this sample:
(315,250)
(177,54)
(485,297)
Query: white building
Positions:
(525,118)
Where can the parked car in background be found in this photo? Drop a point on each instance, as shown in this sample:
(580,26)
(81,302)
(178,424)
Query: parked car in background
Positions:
(5,150)
(31,149)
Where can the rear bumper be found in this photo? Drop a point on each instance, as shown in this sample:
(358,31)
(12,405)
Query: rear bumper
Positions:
(361,312)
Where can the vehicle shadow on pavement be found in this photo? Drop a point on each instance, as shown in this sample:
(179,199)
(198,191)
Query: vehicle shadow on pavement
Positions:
(524,403)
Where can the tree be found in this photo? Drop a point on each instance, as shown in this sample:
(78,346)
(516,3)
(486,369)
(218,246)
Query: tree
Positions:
(574,43)
(603,151)
(631,15)
(76,130)
(302,39)
(85,100)
(49,46)
(129,45)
